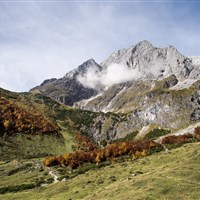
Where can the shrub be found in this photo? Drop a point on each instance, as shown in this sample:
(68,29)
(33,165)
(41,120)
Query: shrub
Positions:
(16,120)
(135,149)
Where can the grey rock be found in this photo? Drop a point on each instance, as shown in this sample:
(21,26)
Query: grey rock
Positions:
(68,89)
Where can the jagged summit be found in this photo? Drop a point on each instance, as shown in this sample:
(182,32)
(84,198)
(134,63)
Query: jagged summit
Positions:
(82,69)
(143,44)
(87,64)
(120,55)
(152,62)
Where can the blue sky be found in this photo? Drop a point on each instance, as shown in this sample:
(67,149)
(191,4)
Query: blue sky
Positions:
(41,40)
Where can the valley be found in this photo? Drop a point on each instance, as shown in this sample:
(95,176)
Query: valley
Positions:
(134,135)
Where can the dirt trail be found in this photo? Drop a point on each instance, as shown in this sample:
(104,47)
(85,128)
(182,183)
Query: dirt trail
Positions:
(55,178)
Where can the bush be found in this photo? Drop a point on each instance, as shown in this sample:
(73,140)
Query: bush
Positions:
(157,133)
(135,149)
(17,188)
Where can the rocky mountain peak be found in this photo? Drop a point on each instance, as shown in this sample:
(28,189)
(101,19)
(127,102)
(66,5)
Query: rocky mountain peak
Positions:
(83,68)
(69,89)
(121,56)
(142,45)
(152,62)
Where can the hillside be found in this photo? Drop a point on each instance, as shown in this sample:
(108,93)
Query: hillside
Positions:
(29,127)
(173,174)
(35,125)
(121,176)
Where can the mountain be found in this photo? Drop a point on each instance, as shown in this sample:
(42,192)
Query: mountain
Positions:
(153,62)
(151,86)
(142,62)
(68,89)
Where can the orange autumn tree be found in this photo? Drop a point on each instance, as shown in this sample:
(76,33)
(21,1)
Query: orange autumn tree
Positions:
(134,149)
(18,120)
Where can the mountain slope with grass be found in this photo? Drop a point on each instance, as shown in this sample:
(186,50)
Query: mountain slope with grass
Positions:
(28,127)
(172,174)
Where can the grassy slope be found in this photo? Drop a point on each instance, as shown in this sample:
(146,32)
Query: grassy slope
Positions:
(28,146)
(166,175)
(21,145)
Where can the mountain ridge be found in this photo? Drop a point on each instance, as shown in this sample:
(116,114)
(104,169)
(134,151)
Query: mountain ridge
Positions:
(141,61)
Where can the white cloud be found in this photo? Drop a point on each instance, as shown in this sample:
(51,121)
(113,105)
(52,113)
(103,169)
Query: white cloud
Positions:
(113,74)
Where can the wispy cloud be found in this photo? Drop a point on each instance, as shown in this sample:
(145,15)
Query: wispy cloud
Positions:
(113,74)
(43,40)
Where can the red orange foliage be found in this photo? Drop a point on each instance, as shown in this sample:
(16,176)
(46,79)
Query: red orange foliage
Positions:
(18,120)
(85,143)
(178,139)
(134,149)
(197,133)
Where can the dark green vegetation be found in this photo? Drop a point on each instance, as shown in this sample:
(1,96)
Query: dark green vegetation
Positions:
(155,133)
(128,137)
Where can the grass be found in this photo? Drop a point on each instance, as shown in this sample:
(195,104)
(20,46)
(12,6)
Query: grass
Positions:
(128,137)
(21,145)
(155,133)
(22,175)
(172,174)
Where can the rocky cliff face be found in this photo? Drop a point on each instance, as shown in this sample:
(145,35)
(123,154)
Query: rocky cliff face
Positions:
(68,89)
(154,66)
(156,105)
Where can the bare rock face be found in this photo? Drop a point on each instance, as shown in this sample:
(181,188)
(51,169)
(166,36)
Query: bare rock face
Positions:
(153,62)
(168,108)
(68,89)
(154,66)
